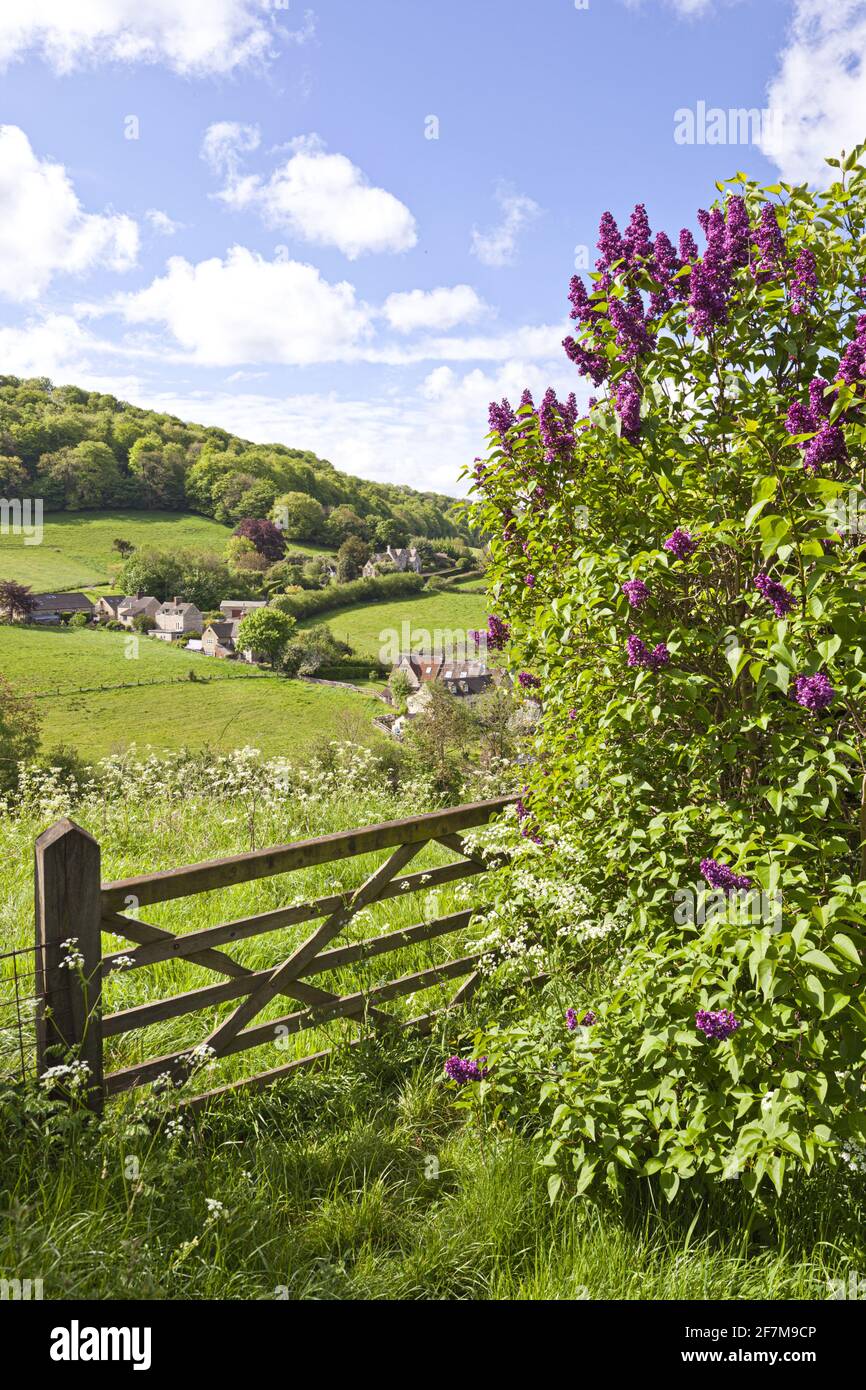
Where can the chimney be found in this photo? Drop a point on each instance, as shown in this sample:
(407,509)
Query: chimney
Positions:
(176,601)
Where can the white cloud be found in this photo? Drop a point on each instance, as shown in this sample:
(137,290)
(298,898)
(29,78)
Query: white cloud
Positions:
(223,144)
(441,308)
(44,231)
(530,342)
(194,37)
(161,223)
(52,346)
(320,197)
(817,99)
(421,436)
(246,309)
(498,246)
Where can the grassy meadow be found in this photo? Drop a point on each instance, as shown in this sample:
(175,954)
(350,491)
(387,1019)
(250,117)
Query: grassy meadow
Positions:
(363,625)
(76,549)
(359,1181)
(229,706)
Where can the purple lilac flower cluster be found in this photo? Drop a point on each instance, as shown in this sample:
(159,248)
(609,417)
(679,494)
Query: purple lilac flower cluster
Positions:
(497,635)
(627,319)
(572,1021)
(639,654)
(620,256)
(681,543)
(775,593)
(461,1070)
(636,592)
(717,1023)
(667,265)
(769,244)
(528,681)
(853,365)
(627,396)
(501,417)
(727,249)
(589,362)
(828,445)
(556,425)
(721,876)
(814,693)
(804,285)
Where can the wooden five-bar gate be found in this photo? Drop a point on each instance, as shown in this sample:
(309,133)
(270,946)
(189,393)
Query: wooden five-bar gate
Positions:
(73,905)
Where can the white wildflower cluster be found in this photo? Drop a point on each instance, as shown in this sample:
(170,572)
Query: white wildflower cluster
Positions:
(74,958)
(242,777)
(72,1076)
(853,1155)
(215,1208)
(201,1056)
(46,792)
(541,914)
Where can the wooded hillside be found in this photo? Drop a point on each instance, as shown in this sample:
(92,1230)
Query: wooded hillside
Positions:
(81,449)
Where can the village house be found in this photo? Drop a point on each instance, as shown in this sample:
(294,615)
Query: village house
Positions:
(50,608)
(401,559)
(176,618)
(218,638)
(465,677)
(106,606)
(233,609)
(137,606)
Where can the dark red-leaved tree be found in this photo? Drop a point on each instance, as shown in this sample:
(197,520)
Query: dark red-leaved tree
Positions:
(267,538)
(16,601)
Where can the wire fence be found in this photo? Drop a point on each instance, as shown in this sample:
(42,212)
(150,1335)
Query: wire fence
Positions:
(18,1003)
(196,679)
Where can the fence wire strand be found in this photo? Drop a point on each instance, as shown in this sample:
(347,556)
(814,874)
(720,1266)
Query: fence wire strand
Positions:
(18,1001)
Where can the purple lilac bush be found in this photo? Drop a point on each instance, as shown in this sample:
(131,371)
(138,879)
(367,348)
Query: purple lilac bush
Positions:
(713,711)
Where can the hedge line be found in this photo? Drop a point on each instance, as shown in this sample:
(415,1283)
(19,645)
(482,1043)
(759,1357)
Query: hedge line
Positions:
(386,586)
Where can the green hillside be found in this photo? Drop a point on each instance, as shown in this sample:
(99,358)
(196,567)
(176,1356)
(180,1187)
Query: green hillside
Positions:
(83,450)
(76,549)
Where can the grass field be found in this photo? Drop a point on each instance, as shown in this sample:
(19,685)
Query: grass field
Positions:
(234,709)
(359,1182)
(76,553)
(418,618)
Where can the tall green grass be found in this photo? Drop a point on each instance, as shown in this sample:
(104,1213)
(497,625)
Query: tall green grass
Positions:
(358,1181)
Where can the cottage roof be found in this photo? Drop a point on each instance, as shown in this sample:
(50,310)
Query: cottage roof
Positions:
(135,603)
(62,603)
(177,608)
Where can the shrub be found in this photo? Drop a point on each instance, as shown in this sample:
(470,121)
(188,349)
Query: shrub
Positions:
(683,574)
(19,731)
(387,586)
(79,620)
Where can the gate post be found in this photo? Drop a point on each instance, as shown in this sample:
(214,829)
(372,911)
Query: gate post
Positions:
(69,978)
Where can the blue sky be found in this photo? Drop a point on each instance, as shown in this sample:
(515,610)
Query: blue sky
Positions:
(232,209)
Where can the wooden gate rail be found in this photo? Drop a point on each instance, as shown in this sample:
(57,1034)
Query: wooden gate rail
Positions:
(73,908)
